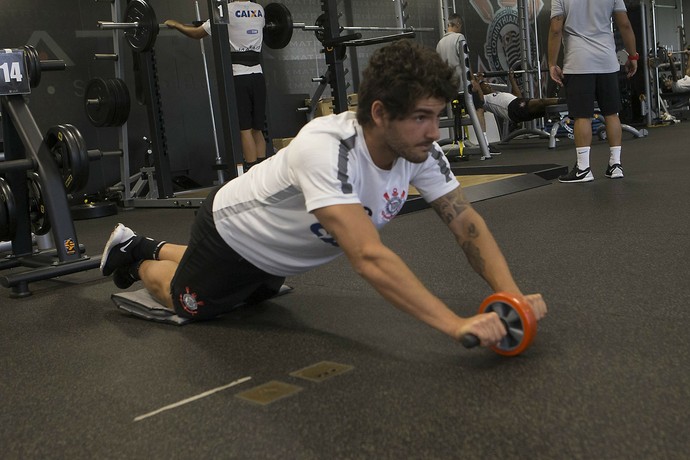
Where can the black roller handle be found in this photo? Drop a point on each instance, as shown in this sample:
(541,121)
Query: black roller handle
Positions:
(471,340)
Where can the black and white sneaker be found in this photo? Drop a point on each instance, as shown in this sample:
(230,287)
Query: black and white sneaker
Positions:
(614,171)
(118,249)
(577,175)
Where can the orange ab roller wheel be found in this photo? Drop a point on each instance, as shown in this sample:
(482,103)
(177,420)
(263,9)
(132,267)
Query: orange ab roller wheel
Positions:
(518,319)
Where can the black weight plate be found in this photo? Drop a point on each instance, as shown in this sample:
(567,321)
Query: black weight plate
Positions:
(80,156)
(124,106)
(99,113)
(8,213)
(321,22)
(113,91)
(33,65)
(40,224)
(64,149)
(121,101)
(278,29)
(93,210)
(83,151)
(141,38)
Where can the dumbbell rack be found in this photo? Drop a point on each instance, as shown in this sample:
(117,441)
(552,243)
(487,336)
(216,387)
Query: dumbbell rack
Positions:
(26,150)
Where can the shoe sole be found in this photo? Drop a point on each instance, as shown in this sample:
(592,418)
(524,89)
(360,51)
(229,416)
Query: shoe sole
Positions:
(576,181)
(114,239)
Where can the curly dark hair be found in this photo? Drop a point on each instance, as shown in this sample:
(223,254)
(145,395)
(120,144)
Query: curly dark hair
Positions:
(399,75)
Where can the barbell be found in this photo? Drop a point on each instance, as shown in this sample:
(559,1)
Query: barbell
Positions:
(505,73)
(141,26)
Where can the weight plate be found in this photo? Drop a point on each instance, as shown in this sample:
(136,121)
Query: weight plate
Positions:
(518,318)
(93,210)
(8,213)
(141,38)
(124,105)
(99,103)
(322,23)
(33,65)
(40,224)
(81,154)
(113,91)
(278,28)
(66,152)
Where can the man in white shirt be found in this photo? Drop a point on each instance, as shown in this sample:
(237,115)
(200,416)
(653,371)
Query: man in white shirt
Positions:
(328,193)
(447,48)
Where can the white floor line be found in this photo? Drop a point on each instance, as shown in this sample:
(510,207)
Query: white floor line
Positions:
(193,398)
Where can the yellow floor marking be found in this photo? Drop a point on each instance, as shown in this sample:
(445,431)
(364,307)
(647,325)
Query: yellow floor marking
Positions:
(474,179)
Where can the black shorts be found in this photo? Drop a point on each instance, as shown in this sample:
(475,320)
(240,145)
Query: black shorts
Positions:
(250,92)
(212,278)
(582,90)
(518,110)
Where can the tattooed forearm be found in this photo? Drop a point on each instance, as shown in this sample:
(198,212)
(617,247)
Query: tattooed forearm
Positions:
(474,256)
(451,205)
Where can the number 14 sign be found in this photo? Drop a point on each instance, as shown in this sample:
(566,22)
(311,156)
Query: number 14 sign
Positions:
(13,78)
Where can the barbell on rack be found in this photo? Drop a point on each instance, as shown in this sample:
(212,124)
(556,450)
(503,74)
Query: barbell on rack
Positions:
(141,26)
(279,26)
(505,73)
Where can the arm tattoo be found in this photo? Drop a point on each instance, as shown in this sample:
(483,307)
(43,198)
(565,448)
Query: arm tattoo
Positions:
(472,252)
(450,205)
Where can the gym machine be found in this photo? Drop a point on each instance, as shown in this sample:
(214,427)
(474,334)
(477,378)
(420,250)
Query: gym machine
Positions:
(36,173)
(531,127)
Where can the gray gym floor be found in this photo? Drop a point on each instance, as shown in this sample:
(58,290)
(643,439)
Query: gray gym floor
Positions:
(608,376)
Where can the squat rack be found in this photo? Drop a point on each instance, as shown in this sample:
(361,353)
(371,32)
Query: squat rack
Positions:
(649,20)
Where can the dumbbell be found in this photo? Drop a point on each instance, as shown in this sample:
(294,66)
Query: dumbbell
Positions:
(518,319)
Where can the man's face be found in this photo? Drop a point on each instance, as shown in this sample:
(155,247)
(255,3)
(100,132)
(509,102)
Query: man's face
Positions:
(411,137)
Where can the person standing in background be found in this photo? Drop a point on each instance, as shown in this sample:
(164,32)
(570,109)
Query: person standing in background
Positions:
(246,21)
(590,73)
(447,48)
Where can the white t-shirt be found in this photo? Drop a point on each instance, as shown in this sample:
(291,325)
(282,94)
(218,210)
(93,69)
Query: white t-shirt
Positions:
(266,215)
(246,22)
(497,103)
(447,48)
(588,40)
(682,85)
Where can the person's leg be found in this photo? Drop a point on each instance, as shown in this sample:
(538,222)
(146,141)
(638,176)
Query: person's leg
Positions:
(259,114)
(583,133)
(608,95)
(614,131)
(249,149)
(580,99)
(157,276)
(243,98)
(259,144)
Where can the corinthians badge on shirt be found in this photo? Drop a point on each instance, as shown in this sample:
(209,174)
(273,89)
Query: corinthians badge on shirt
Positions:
(394,203)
